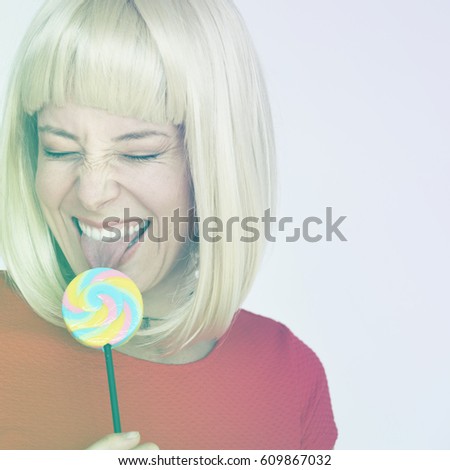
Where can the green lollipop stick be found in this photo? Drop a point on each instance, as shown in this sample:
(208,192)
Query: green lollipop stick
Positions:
(112,388)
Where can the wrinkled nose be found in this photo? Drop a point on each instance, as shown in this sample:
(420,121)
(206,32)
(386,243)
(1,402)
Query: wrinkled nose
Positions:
(96,187)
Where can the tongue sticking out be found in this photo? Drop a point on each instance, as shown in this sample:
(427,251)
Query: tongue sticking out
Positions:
(103,254)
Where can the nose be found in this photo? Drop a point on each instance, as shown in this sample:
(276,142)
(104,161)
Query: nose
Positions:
(96,187)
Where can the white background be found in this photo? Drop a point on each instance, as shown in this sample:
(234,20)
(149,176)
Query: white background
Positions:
(361,103)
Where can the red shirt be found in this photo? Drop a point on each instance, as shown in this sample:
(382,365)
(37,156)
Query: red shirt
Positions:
(259,388)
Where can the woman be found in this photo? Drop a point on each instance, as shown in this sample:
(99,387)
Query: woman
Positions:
(137,115)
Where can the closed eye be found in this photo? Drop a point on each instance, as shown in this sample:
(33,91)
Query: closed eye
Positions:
(142,157)
(57,155)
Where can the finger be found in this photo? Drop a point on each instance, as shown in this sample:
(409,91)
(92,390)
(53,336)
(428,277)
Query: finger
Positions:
(147,446)
(117,441)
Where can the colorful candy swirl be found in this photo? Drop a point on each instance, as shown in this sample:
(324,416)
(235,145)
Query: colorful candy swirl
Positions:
(102,306)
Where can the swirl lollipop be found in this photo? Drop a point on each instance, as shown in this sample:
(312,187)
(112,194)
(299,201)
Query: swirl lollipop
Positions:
(103,308)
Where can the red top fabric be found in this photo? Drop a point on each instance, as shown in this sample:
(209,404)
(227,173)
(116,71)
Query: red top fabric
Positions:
(259,388)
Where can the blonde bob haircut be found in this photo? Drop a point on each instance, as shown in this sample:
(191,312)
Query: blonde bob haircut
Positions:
(186,62)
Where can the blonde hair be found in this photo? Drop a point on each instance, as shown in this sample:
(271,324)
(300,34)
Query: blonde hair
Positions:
(188,62)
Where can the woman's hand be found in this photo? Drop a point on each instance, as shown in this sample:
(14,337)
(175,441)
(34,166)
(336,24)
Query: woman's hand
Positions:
(122,441)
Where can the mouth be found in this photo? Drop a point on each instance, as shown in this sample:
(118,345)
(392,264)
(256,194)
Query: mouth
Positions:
(128,231)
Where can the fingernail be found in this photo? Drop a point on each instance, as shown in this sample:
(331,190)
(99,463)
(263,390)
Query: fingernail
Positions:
(131,435)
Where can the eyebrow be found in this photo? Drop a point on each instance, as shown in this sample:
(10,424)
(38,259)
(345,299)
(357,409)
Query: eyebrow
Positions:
(138,135)
(56,131)
(121,138)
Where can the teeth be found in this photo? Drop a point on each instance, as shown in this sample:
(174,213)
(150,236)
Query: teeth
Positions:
(105,235)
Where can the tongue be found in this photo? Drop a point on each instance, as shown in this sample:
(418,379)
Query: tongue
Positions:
(103,254)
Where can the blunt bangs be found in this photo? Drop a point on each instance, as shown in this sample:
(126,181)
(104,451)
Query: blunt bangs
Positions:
(98,56)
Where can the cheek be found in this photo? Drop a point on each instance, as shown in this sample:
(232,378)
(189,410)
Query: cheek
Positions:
(181,188)
(164,191)
(178,196)
(51,184)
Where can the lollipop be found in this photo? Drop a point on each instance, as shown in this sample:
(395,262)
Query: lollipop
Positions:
(103,308)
